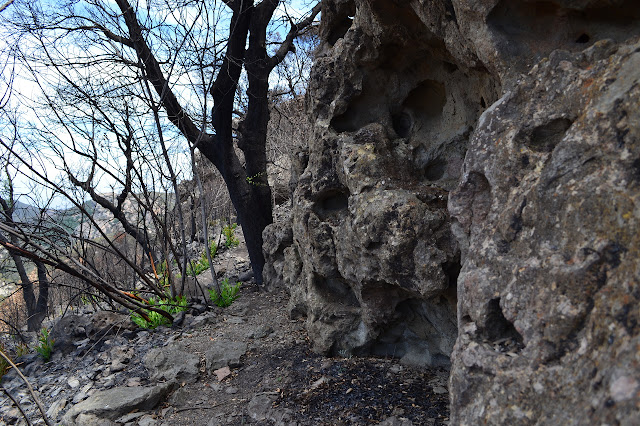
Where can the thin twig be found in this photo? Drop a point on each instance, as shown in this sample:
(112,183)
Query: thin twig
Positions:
(33,394)
(198,407)
(6,5)
(17,404)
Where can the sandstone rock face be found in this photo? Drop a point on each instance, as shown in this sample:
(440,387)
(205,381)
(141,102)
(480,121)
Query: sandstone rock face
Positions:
(478,155)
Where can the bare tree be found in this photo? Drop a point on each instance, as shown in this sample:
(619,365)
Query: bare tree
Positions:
(177,51)
(36,307)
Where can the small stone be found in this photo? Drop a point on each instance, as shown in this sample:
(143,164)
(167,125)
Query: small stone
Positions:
(246,276)
(73,382)
(198,309)
(231,390)
(222,373)
(117,366)
(178,319)
(260,332)
(133,381)
(129,417)
(147,421)
(321,381)
(395,369)
(108,382)
(54,410)
(260,407)
(440,390)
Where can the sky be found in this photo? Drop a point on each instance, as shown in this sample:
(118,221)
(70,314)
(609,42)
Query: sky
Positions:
(25,91)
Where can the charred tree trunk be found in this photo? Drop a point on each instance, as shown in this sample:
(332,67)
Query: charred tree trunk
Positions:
(36,308)
(247,184)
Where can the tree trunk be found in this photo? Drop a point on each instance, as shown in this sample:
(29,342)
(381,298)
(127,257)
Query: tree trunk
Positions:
(38,310)
(248,185)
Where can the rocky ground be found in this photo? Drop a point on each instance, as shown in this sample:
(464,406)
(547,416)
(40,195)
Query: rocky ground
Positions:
(246,364)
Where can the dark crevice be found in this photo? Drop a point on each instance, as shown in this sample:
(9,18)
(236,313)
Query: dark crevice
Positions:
(401,124)
(341,24)
(451,12)
(519,25)
(331,202)
(435,169)
(498,330)
(427,99)
(583,38)
(544,138)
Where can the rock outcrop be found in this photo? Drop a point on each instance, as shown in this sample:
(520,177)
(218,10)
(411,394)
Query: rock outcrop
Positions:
(548,206)
(480,156)
(371,260)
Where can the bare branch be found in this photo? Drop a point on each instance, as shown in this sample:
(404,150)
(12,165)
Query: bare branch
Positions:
(6,5)
(296,29)
(31,391)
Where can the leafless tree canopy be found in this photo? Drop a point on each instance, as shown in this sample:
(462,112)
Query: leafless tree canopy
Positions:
(110,105)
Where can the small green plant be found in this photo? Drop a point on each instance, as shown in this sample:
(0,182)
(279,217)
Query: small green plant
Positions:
(169,305)
(228,293)
(256,179)
(45,345)
(196,268)
(21,349)
(89,299)
(230,240)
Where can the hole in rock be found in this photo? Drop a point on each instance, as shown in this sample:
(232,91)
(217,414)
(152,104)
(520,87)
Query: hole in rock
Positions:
(350,121)
(427,99)
(339,30)
(544,138)
(401,124)
(364,108)
(483,103)
(331,202)
(584,38)
(435,169)
(452,269)
(449,67)
(341,24)
(498,329)
(533,29)
(423,334)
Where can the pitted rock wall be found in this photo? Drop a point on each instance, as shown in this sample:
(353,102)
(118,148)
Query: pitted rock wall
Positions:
(479,157)
(371,261)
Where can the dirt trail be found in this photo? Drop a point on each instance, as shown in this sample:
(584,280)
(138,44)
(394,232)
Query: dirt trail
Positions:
(280,381)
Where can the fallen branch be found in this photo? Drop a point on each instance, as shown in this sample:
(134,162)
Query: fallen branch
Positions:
(33,394)
(17,404)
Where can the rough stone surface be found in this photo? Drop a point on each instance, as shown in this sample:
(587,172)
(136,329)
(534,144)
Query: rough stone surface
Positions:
(549,207)
(172,364)
(481,156)
(113,403)
(370,260)
(225,353)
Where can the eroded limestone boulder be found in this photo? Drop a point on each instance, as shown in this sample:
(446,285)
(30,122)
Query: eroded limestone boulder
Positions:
(370,260)
(113,403)
(549,205)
